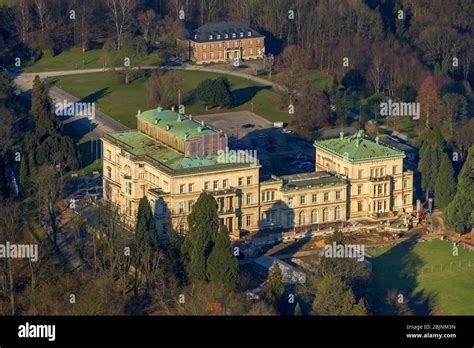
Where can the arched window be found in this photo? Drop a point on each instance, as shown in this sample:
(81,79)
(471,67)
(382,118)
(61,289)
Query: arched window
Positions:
(290,219)
(127,170)
(314,216)
(325,214)
(337,213)
(302,218)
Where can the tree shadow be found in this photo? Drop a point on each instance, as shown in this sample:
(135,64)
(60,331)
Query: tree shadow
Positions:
(246,94)
(395,274)
(93,97)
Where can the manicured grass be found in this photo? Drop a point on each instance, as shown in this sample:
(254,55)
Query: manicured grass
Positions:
(405,125)
(122,101)
(407,268)
(76,59)
(320,79)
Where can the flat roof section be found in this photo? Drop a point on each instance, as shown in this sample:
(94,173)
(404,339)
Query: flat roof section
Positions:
(308,180)
(358,148)
(180,126)
(139,144)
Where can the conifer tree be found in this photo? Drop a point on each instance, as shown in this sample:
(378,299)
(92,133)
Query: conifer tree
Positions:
(274,287)
(459,214)
(334,297)
(222,266)
(203,224)
(445,187)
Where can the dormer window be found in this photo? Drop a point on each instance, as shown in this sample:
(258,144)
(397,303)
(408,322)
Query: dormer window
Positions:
(241,34)
(249,33)
(210,37)
(226,36)
(218,36)
(195,36)
(234,35)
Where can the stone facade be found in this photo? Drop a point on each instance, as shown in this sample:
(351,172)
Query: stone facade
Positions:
(354,184)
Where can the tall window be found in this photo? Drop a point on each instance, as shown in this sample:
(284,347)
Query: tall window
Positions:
(206,185)
(314,216)
(249,180)
(241,181)
(338,195)
(191,187)
(181,188)
(302,218)
(181,207)
(216,184)
(290,217)
(248,220)
(127,170)
(129,187)
(302,199)
(109,172)
(249,198)
(359,189)
(224,183)
(326,196)
(315,198)
(325,214)
(337,213)
(290,202)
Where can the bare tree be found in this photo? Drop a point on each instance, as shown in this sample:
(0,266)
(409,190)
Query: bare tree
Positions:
(121,12)
(146,18)
(22,19)
(42,11)
(48,185)
(10,230)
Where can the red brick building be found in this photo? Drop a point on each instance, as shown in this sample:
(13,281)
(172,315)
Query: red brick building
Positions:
(223,42)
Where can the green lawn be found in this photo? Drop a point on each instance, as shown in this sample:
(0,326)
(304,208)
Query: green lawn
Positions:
(122,101)
(406,268)
(76,59)
(322,80)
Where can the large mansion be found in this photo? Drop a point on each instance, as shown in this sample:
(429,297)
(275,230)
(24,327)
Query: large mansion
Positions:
(171,158)
(223,42)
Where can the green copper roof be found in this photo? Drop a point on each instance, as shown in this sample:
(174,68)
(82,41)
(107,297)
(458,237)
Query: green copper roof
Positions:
(358,148)
(180,126)
(175,163)
(312,179)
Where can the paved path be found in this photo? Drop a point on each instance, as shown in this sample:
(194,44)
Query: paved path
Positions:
(103,124)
